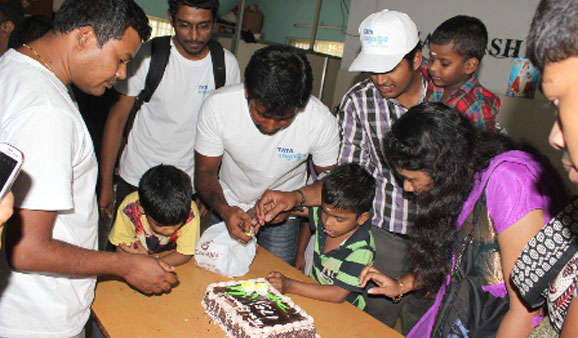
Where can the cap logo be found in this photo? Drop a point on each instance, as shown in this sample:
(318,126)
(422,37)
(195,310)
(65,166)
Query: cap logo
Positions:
(376,40)
(385,38)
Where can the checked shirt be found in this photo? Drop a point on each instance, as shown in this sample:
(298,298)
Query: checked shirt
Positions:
(479,104)
(365,116)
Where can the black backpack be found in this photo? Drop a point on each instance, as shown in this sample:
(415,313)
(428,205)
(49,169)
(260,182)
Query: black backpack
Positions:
(466,309)
(160,52)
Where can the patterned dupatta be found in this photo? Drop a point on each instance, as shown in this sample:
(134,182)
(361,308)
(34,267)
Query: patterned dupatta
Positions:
(547,268)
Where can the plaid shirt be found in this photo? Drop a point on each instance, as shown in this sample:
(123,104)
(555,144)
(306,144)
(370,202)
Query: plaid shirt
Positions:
(365,116)
(476,102)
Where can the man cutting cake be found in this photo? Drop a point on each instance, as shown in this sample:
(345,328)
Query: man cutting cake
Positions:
(260,135)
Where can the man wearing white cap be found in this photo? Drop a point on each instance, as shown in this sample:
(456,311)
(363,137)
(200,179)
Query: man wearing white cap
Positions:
(391,53)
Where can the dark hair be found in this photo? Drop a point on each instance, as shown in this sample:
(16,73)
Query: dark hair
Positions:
(553,34)
(411,55)
(11,10)
(31,29)
(109,18)
(213,5)
(165,194)
(349,187)
(280,78)
(438,140)
(468,34)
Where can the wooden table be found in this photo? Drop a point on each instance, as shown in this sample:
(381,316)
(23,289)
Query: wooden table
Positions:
(122,312)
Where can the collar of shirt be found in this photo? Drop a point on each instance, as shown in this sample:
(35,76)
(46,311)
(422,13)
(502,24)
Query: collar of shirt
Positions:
(435,93)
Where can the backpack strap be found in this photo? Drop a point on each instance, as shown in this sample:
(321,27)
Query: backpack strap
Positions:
(218,59)
(160,52)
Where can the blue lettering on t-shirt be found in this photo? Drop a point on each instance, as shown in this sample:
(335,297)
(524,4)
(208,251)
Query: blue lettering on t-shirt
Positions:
(204,89)
(290,154)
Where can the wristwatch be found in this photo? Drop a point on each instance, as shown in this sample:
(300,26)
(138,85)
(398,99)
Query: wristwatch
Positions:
(301,205)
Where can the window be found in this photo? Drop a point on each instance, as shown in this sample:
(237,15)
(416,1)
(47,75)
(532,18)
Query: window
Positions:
(160,26)
(321,46)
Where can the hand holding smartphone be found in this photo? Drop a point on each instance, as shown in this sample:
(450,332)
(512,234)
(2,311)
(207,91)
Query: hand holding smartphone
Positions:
(11,160)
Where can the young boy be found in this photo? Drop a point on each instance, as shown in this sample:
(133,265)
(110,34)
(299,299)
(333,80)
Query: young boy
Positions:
(343,241)
(160,216)
(456,50)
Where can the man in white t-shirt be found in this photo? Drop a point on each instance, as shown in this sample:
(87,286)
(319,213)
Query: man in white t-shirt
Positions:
(164,128)
(260,135)
(49,259)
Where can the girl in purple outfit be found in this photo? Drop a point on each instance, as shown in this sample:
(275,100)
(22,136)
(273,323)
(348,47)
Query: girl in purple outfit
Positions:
(451,169)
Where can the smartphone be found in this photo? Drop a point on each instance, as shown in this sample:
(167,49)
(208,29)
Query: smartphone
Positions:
(11,160)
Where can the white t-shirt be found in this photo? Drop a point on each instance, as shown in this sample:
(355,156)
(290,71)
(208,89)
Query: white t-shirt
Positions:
(38,116)
(253,162)
(164,129)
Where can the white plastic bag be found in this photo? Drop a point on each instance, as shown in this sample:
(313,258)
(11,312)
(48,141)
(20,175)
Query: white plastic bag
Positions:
(216,251)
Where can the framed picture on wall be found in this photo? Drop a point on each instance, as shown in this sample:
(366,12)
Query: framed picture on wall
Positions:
(524,79)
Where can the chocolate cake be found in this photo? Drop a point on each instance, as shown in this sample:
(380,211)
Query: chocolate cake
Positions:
(253,308)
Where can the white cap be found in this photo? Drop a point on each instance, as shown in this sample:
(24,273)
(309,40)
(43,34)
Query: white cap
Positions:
(386,37)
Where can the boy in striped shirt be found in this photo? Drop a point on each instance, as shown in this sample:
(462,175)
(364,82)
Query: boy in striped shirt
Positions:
(343,240)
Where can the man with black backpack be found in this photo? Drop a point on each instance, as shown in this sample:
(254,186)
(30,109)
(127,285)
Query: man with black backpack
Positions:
(159,102)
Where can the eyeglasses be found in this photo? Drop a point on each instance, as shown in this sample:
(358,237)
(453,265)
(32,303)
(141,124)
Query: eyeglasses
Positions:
(201,27)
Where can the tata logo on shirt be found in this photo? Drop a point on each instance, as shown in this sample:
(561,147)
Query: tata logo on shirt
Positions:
(290,155)
(204,89)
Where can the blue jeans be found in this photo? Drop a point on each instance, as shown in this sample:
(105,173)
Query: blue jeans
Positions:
(280,239)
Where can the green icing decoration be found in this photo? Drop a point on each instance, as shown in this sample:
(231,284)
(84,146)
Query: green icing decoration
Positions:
(252,295)
(278,300)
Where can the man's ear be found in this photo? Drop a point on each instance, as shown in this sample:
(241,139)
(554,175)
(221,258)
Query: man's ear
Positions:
(6,28)
(361,219)
(85,38)
(471,65)
(417,58)
(170,16)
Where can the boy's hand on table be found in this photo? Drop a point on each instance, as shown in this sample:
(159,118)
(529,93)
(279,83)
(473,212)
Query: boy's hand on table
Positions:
(279,281)
(387,285)
(149,275)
